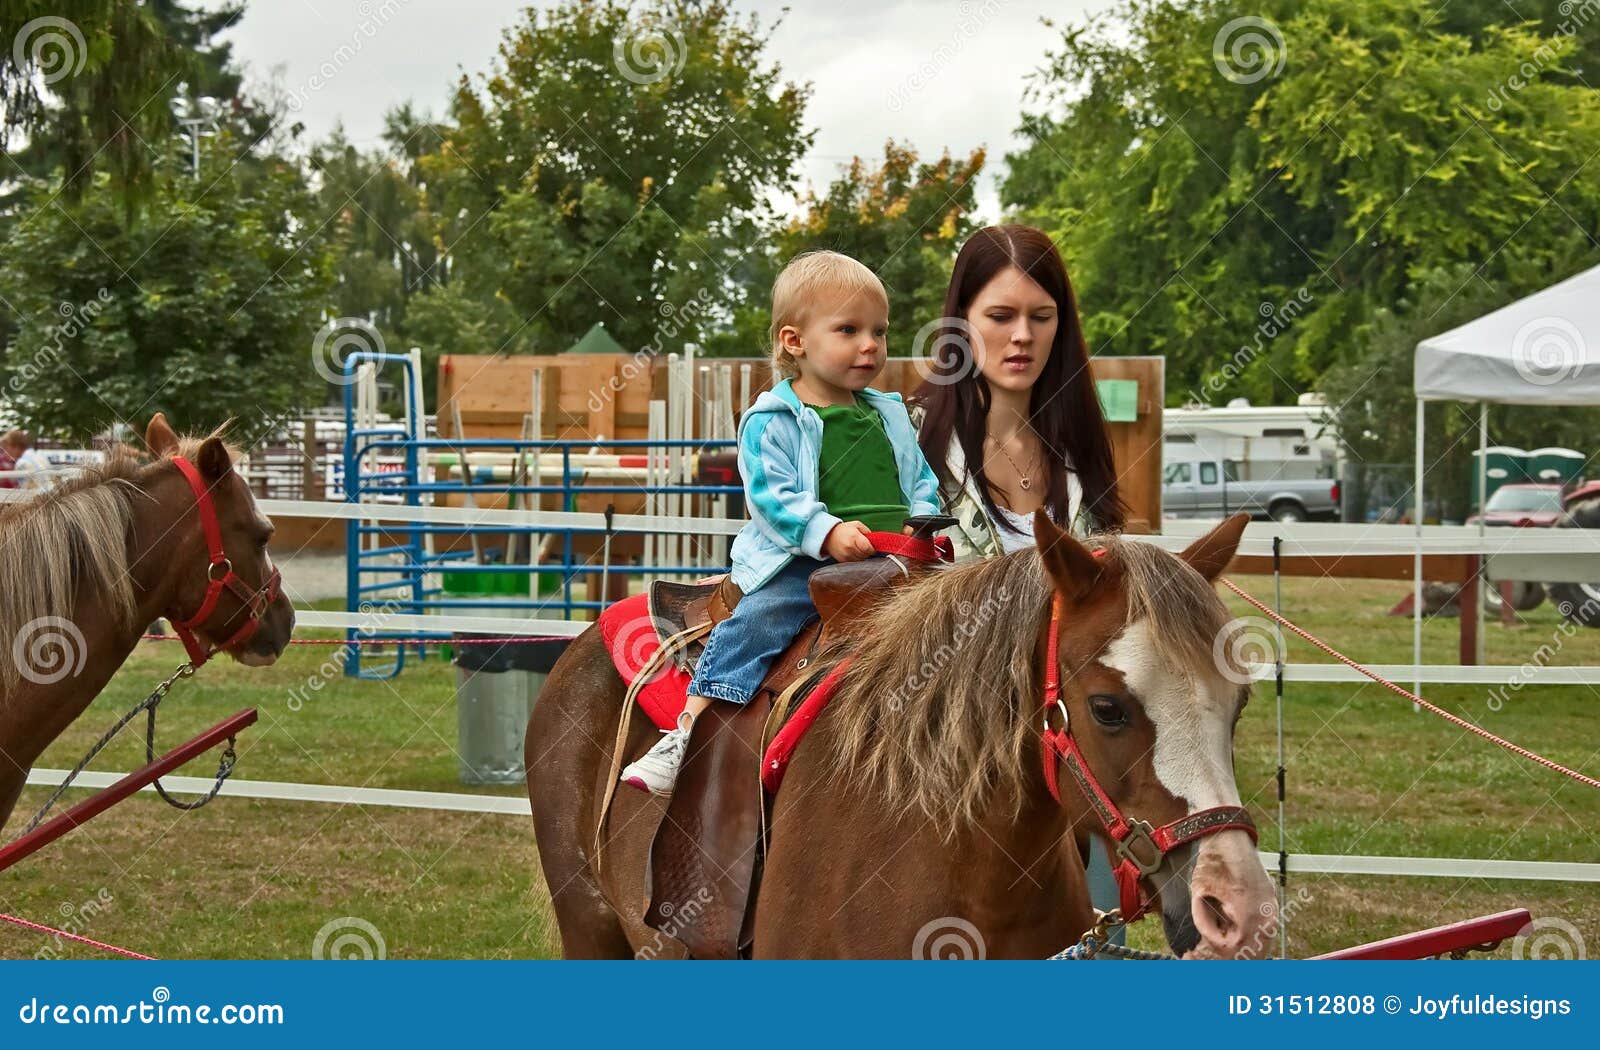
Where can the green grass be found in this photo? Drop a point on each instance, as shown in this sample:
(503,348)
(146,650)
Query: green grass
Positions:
(1366,775)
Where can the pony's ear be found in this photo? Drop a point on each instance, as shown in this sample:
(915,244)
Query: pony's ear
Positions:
(159,438)
(1072,567)
(1211,553)
(213,460)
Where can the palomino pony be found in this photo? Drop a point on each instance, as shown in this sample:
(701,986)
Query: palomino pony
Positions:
(946,794)
(85,566)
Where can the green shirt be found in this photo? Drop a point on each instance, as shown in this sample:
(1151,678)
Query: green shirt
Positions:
(856,472)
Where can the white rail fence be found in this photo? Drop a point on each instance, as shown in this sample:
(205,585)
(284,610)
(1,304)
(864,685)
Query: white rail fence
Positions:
(1544,553)
(516,806)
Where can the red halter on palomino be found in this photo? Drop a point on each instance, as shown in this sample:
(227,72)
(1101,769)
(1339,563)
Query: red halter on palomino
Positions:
(1140,847)
(255,602)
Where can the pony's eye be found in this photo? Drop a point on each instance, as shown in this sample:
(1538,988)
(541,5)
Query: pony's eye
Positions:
(1107,711)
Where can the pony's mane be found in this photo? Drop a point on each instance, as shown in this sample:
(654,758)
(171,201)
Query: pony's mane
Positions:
(939,710)
(69,539)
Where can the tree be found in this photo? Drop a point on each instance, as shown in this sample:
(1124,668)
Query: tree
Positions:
(1248,209)
(87,84)
(371,207)
(904,219)
(614,167)
(206,309)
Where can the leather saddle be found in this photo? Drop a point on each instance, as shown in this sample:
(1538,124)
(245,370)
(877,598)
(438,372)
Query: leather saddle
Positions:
(706,856)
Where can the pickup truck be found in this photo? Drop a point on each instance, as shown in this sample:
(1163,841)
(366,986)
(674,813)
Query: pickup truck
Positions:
(1209,488)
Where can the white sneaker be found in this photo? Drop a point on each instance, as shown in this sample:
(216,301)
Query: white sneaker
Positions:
(657,771)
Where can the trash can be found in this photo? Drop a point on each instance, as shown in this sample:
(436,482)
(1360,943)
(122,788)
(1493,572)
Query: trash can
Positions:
(496,688)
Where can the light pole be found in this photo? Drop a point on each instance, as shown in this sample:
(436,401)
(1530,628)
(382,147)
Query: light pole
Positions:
(195,115)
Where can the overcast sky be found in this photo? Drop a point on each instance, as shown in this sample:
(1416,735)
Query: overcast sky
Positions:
(936,73)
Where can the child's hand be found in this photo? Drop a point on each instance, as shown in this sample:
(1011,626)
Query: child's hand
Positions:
(847,541)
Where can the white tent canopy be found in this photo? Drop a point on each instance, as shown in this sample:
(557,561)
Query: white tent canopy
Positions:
(1542,350)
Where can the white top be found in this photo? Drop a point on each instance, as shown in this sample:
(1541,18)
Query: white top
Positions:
(1011,541)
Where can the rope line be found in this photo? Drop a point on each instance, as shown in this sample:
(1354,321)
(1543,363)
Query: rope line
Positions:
(1413,697)
(74,937)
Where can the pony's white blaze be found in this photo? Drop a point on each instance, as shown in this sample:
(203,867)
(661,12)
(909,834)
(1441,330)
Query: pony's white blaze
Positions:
(1229,895)
(1193,719)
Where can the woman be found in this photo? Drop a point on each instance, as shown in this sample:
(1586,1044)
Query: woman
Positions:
(1009,417)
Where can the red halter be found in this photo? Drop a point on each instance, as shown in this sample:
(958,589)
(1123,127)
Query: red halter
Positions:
(255,602)
(1140,848)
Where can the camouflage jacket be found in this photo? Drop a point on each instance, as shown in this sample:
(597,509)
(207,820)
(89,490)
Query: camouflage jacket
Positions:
(975,534)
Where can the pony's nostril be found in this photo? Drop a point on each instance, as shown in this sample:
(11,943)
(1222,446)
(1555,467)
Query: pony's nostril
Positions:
(1217,912)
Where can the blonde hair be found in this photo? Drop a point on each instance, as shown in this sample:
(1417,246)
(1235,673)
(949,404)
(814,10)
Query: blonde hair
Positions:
(802,285)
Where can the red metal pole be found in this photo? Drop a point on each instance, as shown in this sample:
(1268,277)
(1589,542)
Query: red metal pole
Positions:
(104,799)
(1487,930)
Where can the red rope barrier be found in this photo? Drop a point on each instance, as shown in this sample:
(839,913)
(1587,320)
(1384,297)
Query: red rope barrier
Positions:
(74,937)
(1413,697)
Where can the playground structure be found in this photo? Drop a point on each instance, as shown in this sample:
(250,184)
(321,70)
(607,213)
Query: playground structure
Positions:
(412,569)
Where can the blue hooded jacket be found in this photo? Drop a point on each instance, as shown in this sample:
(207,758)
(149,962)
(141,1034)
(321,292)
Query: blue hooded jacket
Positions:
(780,443)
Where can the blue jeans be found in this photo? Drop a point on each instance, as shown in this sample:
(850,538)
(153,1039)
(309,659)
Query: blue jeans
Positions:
(740,650)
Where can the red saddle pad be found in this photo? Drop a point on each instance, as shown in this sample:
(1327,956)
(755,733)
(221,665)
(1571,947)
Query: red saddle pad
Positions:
(630,636)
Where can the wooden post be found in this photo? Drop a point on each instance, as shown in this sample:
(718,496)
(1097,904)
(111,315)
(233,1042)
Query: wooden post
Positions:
(1467,602)
(309,477)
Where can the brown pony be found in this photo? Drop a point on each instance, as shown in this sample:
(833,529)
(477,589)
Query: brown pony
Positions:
(916,819)
(86,566)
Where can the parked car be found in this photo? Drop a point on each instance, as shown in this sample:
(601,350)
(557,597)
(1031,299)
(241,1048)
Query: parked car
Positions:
(1544,505)
(1206,488)
(1578,602)
(1519,504)
(1527,504)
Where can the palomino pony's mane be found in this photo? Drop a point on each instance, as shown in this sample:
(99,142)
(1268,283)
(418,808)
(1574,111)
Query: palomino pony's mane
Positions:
(70,539)
(940,709)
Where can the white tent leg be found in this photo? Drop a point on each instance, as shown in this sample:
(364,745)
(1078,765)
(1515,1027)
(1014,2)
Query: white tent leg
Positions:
(1416,567)
(1483,487)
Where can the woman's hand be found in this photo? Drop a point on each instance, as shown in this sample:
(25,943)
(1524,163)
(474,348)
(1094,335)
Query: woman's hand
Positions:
(848,541)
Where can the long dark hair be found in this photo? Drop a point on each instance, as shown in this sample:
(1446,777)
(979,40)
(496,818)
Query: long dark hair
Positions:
(1063,408)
